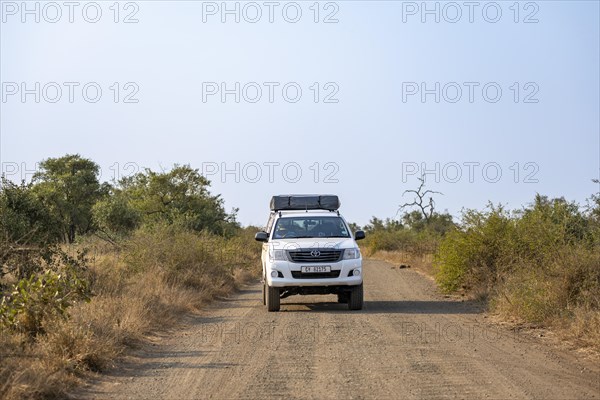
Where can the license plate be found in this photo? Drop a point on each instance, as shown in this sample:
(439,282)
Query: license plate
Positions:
(314,269)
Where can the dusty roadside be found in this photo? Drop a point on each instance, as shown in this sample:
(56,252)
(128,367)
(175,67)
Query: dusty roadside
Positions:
(408,342)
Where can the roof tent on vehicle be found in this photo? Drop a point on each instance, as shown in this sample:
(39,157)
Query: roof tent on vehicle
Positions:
(305,202)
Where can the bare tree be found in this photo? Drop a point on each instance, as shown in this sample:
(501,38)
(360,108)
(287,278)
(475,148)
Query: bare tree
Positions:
(427,207)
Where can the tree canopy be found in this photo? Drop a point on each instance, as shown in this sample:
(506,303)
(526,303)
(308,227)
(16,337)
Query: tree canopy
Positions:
(68,186)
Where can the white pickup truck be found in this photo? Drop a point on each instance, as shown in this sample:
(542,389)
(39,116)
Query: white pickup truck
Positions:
(308,249)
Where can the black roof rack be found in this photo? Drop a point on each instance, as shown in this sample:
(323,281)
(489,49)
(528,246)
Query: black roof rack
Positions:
(305,202)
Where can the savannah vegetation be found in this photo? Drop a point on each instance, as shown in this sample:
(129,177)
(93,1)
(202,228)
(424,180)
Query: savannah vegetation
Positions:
(88,269)
(538,266)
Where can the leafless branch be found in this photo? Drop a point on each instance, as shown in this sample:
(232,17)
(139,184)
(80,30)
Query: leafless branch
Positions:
(427,208)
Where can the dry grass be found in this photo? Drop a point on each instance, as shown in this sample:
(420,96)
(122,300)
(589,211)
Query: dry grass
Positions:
(564,296)
(145,286)
(242,276)
(583,329)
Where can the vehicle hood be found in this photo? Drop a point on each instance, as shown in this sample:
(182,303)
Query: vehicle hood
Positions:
(312,243)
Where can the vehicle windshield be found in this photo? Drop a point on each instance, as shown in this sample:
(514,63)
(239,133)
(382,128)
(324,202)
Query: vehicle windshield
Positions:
(310,227)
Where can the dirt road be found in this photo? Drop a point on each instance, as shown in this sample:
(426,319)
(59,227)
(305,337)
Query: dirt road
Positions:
(408,342)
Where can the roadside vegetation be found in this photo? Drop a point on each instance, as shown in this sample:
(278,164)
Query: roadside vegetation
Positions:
(413,238)
(89,269)
(538,266)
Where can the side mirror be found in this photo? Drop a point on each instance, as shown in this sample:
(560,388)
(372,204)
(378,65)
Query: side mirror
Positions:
(359,235)
(261,237)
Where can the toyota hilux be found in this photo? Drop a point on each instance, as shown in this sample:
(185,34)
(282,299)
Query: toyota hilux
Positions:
(308,249)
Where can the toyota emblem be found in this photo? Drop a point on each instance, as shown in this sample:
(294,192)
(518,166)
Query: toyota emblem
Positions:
(315,253)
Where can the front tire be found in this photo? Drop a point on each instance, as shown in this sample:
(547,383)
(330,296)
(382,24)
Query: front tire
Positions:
(355,301)
(273,300)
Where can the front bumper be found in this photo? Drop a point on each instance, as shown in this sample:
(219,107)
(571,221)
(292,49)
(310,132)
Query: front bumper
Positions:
(286,268)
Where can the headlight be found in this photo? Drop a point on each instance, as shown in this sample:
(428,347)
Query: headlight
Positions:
(277,255)
(351,254)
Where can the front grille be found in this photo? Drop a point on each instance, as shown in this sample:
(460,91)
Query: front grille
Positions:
(318,275)
(315,255)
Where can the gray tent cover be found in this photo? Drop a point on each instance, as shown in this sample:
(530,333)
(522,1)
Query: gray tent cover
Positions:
(305,202)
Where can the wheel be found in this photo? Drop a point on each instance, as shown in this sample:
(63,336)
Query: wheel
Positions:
(356,298)
(342,298)
(264,292)
(273,301)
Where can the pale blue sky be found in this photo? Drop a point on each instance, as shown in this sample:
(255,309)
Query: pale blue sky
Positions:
(369,55)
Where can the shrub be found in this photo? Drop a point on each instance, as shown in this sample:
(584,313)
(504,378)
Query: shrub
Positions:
(473,256)
(43,297)
(539,264)
(23,217)
(114,216)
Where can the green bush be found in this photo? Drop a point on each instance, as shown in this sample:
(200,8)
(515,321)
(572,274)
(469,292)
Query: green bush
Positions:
(24,219)
(473,255)
(539,263)
(180,196)
(114,216)
(40,298)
